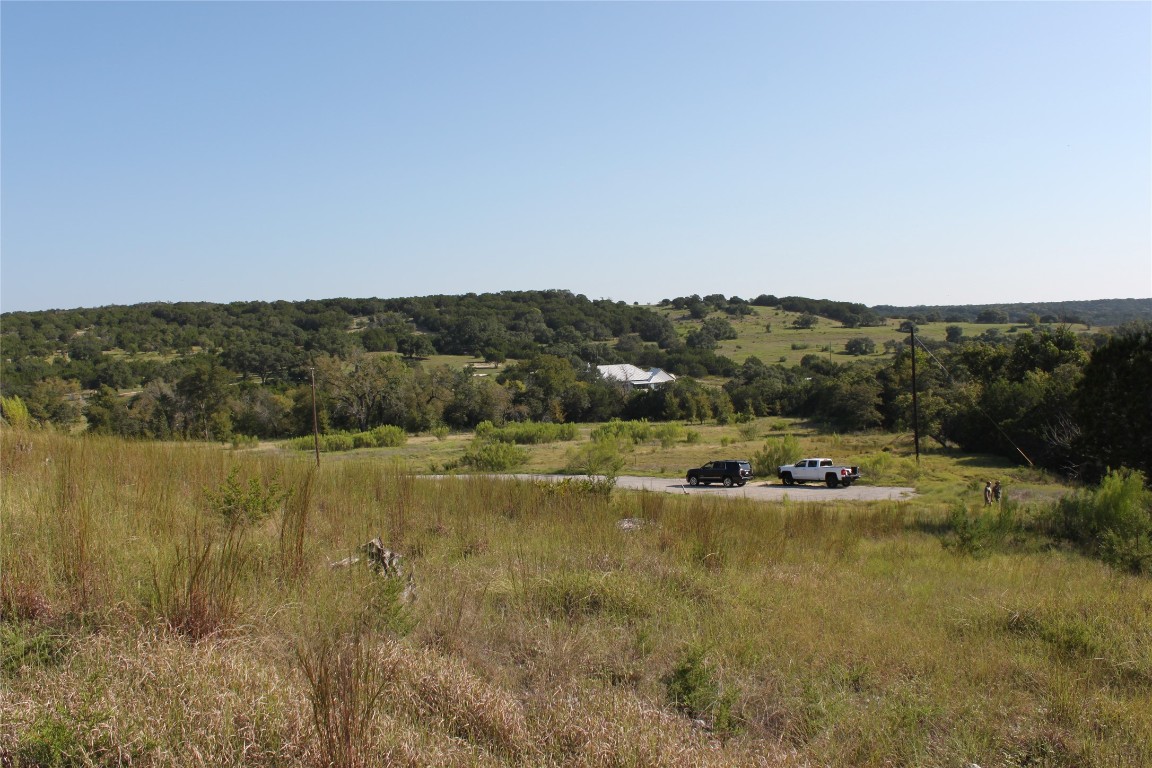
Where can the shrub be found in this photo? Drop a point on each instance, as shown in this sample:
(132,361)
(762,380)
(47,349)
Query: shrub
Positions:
(860,346)
(51,740)
(15,412)
(527,432)
(389,436)
(776,451)
(668,434)
(337,441)
(693,689)
(605,456)
(635,432)
(20,646)
(493,457)
(749,430)
(244,441)
(967,534)
(1113,520)
(239,505)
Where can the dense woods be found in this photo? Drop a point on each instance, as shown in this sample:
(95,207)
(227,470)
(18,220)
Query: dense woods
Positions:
(1046,395)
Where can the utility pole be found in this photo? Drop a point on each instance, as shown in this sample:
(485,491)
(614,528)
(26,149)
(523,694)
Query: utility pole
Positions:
(915,408)
(315,418)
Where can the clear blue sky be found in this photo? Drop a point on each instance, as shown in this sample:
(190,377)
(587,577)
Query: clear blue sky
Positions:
(887,153)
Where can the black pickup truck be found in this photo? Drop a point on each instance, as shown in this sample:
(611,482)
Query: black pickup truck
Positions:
(730,472)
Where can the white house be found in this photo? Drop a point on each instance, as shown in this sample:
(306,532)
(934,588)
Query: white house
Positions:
(636,378)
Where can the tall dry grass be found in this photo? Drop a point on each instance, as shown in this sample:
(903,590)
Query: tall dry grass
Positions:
(542,633)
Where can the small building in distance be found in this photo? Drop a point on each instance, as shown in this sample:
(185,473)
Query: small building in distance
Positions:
(635,378)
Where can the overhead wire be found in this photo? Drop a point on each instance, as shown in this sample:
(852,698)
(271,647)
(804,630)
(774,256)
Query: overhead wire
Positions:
(952,380)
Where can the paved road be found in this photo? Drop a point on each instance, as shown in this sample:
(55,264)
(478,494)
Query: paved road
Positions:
(758,490)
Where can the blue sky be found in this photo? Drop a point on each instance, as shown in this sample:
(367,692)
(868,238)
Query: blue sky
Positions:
(887,153)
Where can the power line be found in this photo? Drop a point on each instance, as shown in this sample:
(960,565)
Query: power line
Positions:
(952,380)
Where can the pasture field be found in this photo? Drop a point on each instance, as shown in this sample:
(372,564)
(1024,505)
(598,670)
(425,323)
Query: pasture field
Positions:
(173,604)
(782,344)
(788,345)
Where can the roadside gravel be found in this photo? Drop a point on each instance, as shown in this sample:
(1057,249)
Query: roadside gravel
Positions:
(757,490)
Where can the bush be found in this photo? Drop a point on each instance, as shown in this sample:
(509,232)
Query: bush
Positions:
(389,436)
(15,412)
(693,689)
(1113,520)
(241,504)
(493,456)
(302,443)
(749,430)
(668,434)
(526,433)
(776,451)
(604,456)
(337,441)
(635,432)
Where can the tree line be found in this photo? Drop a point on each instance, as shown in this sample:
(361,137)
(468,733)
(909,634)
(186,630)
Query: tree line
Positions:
(1075,403)
(1078,403)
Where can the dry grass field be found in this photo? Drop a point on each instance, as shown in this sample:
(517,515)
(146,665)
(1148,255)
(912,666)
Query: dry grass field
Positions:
(173,605)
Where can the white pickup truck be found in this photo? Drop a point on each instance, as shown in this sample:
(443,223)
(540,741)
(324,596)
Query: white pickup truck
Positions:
(819,471)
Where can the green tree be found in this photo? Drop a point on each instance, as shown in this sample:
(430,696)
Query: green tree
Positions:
(806,321)
(414,345)
(541,386)
(700,338)
(56,401)
(202,393)
(107,413)
(360,387)
(1112,403)
(860,346)
(473,399)
(993,316)
(261,412)
(719,328)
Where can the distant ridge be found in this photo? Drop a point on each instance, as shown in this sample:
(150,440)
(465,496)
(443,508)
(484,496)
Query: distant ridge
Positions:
(1106,312)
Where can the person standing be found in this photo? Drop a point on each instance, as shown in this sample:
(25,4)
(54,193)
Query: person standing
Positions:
(996,491)
(988,493)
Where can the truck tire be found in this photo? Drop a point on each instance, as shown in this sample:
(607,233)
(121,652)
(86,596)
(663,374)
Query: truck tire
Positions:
(727,482)
(693,481)
(787,478)
(846,482)
(832,480)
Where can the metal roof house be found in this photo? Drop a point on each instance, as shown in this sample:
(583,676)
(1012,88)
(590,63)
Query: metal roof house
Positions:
(635,378)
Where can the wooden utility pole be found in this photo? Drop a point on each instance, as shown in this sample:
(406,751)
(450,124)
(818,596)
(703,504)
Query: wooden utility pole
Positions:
(315,418)
(915,408)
